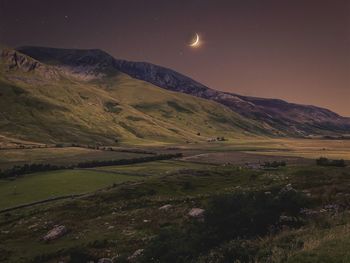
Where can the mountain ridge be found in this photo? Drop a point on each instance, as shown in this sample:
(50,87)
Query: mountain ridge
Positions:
(282,117)
(53,103)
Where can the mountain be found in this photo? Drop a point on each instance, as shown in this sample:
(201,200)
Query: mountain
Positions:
(285,118)
(276,116)
(81,97)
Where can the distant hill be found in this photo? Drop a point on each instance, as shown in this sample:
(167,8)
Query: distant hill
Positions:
(79,96)
(276,116)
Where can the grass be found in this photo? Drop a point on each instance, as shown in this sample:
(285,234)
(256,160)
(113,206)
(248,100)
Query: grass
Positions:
(128,214)
(156,168)
(287,147)
(39,186)
(48,106)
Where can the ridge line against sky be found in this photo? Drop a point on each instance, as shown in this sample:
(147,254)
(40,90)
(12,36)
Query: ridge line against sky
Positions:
(297,50)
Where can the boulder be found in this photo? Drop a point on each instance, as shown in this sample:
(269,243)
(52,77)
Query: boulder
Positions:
(105,260)
(55,233)
(196,213)
(135,255)
(165,207)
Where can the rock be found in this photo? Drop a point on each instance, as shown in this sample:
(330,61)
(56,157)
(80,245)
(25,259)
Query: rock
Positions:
(165,207)
(287,188)
(110,227)
(55,233)
(287,219)
(308,212)
(196,213)
(33,226)
(105,260)
(334,208)
(136,254)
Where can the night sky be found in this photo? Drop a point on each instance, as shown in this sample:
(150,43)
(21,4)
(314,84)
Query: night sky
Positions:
(298,50)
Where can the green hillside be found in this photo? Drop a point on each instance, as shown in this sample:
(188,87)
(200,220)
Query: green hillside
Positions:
(44,103)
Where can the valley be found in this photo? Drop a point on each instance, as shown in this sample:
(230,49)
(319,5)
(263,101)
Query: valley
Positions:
(120,209)
(110,161)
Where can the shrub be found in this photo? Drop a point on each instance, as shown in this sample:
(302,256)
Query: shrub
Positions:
(32,168)
(274,164)
(237,250)
(228,219)
(29,168)
(129,161)
(326,162)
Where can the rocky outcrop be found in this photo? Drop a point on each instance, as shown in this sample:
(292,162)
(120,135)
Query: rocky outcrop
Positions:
(105,260)
(165,207)
(196,213)
(135,255)
(55,233)
(84,64)
(14,60)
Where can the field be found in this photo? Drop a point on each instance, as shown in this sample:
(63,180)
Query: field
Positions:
(286,147)
(256,214)
(156,168)
(44,185)
(40,186)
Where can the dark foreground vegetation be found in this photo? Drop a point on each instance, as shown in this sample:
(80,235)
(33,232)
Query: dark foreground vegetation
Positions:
(274,164)
(19,170)
(230,221)
(326,162)
(288,214)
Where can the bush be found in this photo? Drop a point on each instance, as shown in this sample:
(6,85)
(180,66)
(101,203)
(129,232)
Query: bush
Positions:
(326,162)
(33,168)
(129,161)
(172,245)
(247,215)
(29,168)
(234,219)
(237,250)
(274,164)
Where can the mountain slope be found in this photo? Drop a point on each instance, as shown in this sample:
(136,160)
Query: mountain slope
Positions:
(276,116)
(287,118)
(93,103)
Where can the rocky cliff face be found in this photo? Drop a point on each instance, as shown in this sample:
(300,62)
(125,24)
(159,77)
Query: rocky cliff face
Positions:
(85,64)
(284,118)
(13,60)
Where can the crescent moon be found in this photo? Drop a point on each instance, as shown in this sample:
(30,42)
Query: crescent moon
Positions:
(196,42)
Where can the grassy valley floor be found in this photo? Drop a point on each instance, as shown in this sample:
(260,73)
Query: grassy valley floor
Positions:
(296,213)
